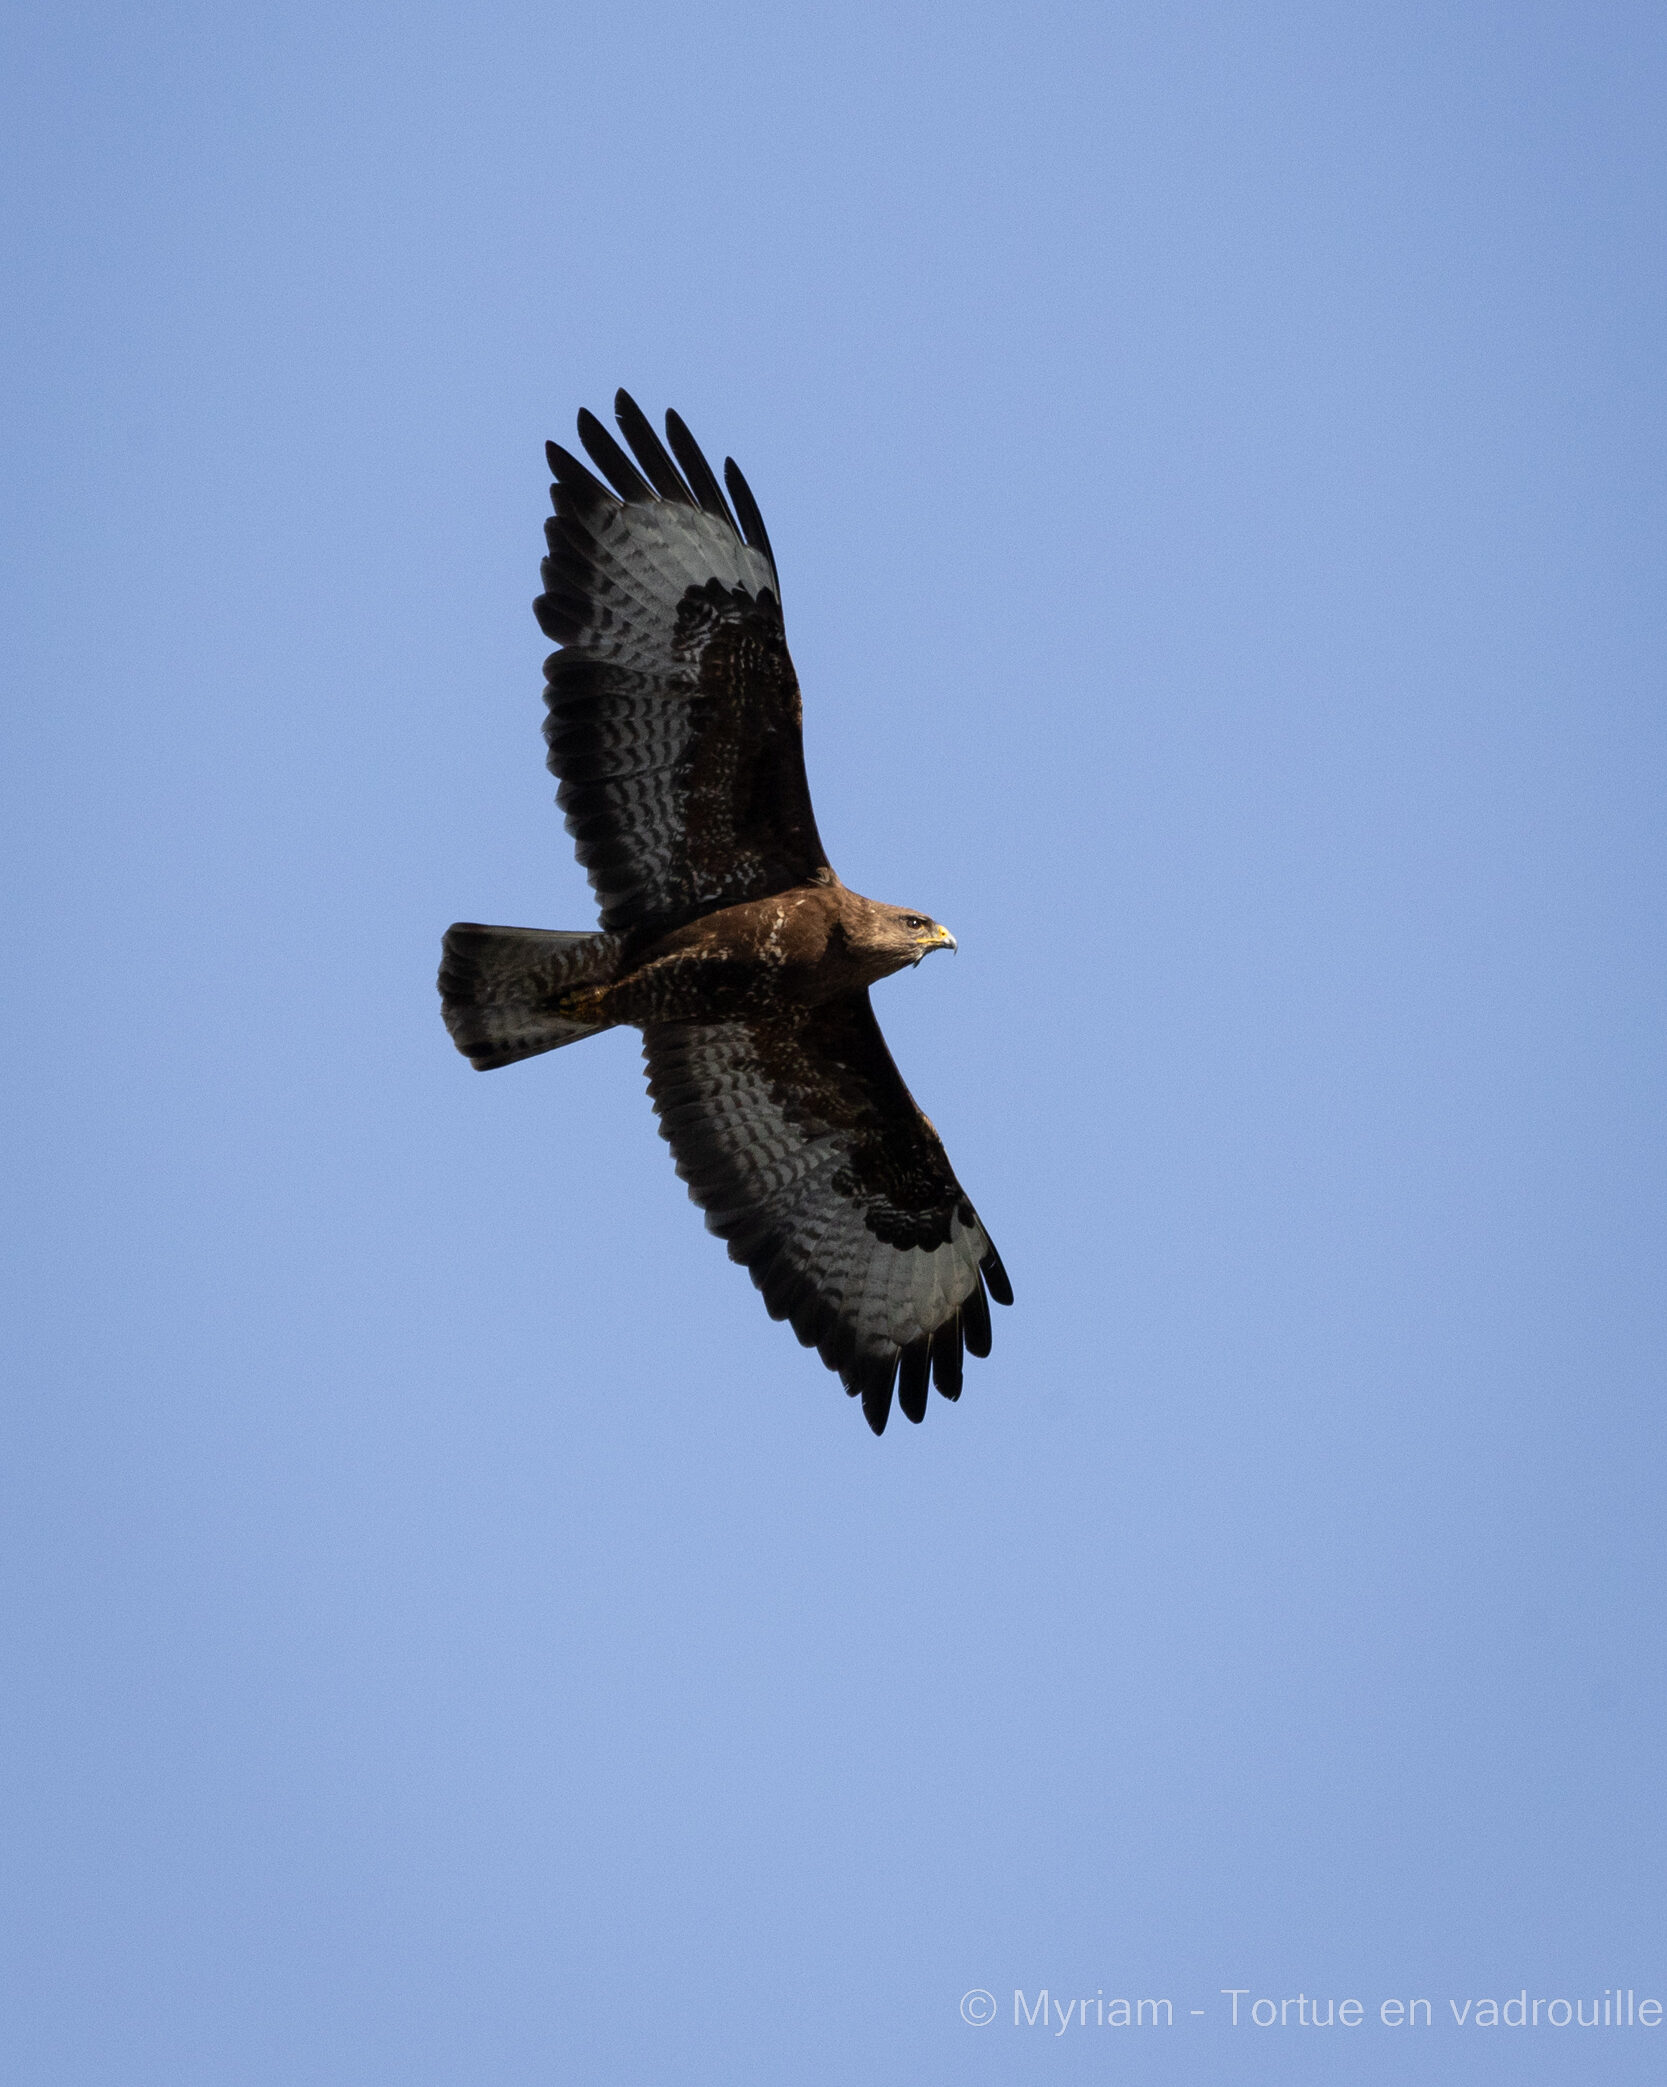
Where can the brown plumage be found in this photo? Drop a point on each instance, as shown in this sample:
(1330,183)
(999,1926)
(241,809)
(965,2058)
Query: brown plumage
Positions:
(726,937)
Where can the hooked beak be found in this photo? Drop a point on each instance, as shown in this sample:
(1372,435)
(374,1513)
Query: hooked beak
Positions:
(940,938)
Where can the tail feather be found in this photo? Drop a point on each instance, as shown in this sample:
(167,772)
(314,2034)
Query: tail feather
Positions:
(499,988)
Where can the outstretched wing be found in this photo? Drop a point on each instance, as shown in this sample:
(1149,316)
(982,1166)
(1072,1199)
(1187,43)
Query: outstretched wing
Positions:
(674,708)
(800,1141)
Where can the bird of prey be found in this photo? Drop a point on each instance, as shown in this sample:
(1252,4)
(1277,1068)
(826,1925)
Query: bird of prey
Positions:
(725,935)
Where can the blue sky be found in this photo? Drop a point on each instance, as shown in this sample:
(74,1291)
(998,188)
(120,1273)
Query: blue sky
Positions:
(1214,458)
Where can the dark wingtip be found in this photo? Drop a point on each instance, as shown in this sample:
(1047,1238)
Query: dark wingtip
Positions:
(914,1379)
(995,1277)
(582,487)
(746,508)
(975,1321)
(872,1377)
(615,466)
(702,480)
(946,1357)
(650,451)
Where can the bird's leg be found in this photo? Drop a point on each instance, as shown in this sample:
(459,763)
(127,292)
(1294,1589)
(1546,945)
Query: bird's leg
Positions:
(585,1004)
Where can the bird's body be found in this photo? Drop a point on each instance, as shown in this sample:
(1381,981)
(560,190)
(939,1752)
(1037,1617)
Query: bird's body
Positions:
(796,948)
(726,936)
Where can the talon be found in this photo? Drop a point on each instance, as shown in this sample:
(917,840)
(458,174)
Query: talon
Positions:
(583,1004)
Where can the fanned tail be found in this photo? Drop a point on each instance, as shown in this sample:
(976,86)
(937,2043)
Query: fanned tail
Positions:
(500,988)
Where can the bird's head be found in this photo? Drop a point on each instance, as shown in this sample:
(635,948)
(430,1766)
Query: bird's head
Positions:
(889,937)
(925,935)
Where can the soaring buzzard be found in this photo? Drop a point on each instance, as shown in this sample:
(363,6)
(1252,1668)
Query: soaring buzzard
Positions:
(726,937)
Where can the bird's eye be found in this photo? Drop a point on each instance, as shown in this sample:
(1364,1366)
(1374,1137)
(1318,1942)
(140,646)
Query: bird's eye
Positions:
(913,920)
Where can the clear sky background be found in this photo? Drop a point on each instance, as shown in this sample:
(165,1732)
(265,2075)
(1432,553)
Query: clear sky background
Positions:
(1214,456)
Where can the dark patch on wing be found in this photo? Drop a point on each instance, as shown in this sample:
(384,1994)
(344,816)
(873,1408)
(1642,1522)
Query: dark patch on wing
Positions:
(675,722)
(747,802)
